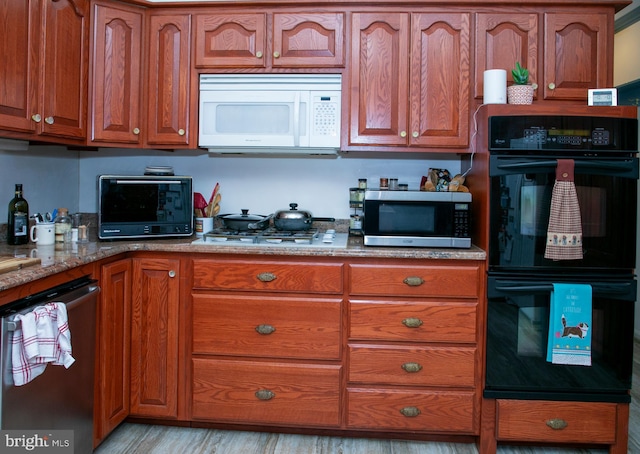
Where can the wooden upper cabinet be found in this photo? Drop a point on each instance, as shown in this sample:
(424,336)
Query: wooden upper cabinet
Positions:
(440,73)
(501,41)
(576,55)
(230,40)
(310,40)
(45,65)
(168,80)
(379,79)
(116,82)
(425,107)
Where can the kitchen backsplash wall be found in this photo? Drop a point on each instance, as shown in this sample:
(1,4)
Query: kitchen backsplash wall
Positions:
(262,185)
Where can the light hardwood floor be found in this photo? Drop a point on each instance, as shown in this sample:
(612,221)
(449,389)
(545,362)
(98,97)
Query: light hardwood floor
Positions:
(151,439)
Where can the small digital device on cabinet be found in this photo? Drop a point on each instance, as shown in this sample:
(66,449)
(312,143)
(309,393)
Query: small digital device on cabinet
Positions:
(603,97)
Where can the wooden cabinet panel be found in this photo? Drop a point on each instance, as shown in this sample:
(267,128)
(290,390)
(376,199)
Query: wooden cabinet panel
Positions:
(308,40)
(576,53)
(230,40)
(503,39)
(584,422)
(414,410)
(412,321)
(116,82)
(169,78)
(424,281)
(379,79)
(154,337)
(114,337)
(412,365)
(266,392)
(267,276)
(440,72)
(267,327)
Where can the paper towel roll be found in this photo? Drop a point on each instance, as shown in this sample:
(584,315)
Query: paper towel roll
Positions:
(495,86)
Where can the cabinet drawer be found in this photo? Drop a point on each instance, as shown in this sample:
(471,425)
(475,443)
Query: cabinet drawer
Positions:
(458,281)
(419,366)
(576,422)
(266,326)
(267,276)
(413,322)
(270,393)
(423,411)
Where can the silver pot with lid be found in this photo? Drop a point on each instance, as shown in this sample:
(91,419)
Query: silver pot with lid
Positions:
(245,221)
(294,219)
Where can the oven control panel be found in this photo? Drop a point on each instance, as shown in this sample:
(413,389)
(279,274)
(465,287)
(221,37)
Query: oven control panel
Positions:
(559,133)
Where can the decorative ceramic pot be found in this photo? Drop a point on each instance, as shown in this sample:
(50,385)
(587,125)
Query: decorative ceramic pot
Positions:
(520,94)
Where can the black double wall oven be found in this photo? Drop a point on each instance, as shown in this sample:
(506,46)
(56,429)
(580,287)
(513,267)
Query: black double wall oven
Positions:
(561,329)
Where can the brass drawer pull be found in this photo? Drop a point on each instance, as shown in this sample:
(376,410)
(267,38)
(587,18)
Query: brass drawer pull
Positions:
(412,367)
(410,412)
(412,322)
(413,281)
(266,277)
(265,329)
(265,394)
(557,423)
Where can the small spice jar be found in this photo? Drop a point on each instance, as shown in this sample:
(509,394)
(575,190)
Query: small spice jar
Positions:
(362,183)
(384,184)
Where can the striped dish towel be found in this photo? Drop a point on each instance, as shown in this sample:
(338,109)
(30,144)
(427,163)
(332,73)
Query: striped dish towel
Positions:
(41,337)
(564,233)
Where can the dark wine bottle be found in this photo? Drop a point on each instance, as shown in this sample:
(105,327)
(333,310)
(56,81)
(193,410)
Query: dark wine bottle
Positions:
(18,228)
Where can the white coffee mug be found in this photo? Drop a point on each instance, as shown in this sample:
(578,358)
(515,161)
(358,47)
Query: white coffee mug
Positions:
(43,233)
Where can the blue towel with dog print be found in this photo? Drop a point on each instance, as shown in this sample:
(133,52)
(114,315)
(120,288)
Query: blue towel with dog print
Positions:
(569,325)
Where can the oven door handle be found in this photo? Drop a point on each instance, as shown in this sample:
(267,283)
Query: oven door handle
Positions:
(621,288)
(624,168)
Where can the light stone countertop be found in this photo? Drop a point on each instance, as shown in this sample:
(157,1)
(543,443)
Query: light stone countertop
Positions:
(56,259)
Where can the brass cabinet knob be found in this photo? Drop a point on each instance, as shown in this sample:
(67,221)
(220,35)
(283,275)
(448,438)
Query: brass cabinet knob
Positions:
(49,120)
(265,394)
(276,54)
(412,322)
(415,134)
(413,281)
(403,133)
(266,277)
(36,117)
(412,367)
(410,412)
(551,86)
(259,54)
(265,329)
(136,131)
(172,273)
(181,132)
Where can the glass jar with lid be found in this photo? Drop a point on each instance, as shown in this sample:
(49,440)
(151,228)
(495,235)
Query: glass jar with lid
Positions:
(63,225)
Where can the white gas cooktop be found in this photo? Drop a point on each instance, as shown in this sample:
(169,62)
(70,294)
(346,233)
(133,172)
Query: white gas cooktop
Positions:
(328,240)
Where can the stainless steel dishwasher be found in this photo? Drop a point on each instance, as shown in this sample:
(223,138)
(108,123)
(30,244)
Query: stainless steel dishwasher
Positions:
(59,398)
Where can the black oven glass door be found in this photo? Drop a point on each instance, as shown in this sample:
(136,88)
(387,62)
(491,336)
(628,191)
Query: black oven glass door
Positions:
(517,342)
(520,193)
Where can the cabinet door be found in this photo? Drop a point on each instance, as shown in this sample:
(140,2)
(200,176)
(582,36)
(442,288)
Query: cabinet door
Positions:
(440,73)
(114,331)
(65,68)
(577,56)
(154,337)
(117,60)
(20,20)
(308,40)
(230,40)
(169,80)
(501,41)
(379,80)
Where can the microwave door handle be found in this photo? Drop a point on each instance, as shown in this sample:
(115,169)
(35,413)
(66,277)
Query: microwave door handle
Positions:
(296,120)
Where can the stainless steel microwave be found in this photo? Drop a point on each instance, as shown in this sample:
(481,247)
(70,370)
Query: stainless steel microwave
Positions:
(417,219)
(144,206)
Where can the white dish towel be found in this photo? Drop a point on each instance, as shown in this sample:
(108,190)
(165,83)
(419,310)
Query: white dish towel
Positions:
(41,337)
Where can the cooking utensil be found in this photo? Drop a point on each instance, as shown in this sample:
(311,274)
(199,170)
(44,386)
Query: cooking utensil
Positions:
(212,201)
(245,221)
(294,219)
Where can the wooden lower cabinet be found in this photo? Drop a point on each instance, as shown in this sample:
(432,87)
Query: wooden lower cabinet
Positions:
(273,392)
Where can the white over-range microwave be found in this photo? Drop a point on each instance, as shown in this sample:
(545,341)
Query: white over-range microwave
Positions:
(295,113)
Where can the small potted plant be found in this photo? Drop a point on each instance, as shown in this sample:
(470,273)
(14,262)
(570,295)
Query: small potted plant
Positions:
(521,92)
